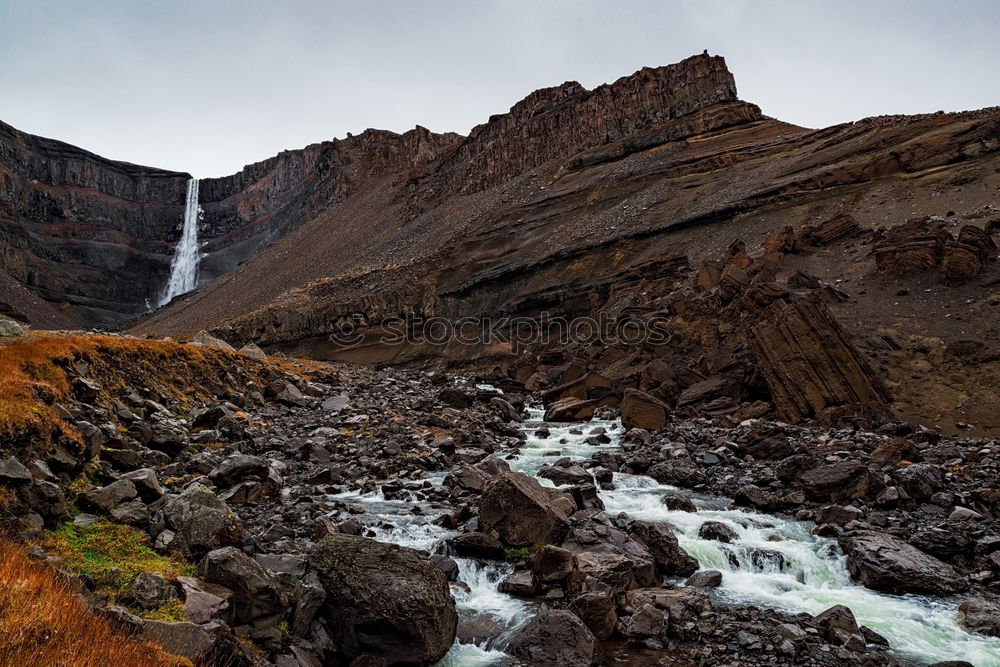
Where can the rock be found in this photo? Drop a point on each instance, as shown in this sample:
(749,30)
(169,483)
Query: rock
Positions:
(551,563)
(641,410)
(646,621)
(885,563)
(808,361)
(148,590)
(835,229)
(12,470)
(239,467)
(257,599)
(705,579)
(837,617)
(837,482)
(10,328)
(716,530)
(522,512)
(111,495)
(519,583)
(570,409)
(477,545)
(597,611)
(570,475)
(335,403)
(467,478)
(965,514)
(680,472)
(671,560)
(147,484)
(204,602)
(384,599)
(960,263)
(908,249)
(920,480)
(479,629)
(607,559)
(979,615)
(837,514)
(205,338)
(253,351)
(676,500)
(751,495)
(554,638)
(184,639)
(199,522)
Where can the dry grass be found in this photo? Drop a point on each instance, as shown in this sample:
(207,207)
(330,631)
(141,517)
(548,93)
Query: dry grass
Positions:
(33,376)
(43,623)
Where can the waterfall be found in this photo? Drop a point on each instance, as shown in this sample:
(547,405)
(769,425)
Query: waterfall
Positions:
(184,266)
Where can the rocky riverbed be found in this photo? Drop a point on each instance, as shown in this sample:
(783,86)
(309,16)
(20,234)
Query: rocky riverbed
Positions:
(344,515)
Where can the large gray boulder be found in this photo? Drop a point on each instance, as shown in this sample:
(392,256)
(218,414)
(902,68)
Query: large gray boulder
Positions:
(522,512)
(384,600)
(884,563)
(554,638)
(257,597)
(198,522)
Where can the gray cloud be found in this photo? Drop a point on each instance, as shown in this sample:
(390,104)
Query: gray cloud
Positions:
(209,86)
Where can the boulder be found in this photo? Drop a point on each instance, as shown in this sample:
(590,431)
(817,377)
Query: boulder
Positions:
(705,579)
(109,496)
(204,602)
(554,638)
(205,338)
(641,410)
(570,409)
(10,328)
(979,615)
(646,621)
(562,476)
(196,522)
(384,599)
(671,560)
(885,563)
(837,482)
(12,470)
(147,484)
(257,598)
(597,611)
(716,530)
(608,559)
(253,351)
(522,512)
(551,563)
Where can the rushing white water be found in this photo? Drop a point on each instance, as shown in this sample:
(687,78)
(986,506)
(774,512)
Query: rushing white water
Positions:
(184,266)
(810,575)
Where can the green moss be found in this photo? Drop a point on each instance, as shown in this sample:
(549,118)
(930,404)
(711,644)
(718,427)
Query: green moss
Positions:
(113,553)
(283,628)
(510,553)
(171,610)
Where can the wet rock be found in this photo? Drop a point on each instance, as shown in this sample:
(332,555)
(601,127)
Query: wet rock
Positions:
(718,531)
(646,621)
(570,409)
(519,583)
(597,611)
(675,500)
(608,559)
(477,545)
(885,563)
(979,615)
(569,475)
(522,512)
(551,563)
(257,598)
(643,411)
(446,565)
(677,473)
(554,638)
(384,599)
(671,560)
(479,629)
(705,579)
(837,617)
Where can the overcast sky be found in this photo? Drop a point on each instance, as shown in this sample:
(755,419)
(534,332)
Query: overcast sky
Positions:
(210,85)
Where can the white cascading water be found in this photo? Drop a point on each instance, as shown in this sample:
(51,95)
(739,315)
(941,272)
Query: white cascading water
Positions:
(184,266)
(810,576)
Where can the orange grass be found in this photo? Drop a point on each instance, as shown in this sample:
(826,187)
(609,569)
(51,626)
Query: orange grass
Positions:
(43,623)
(33,376)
